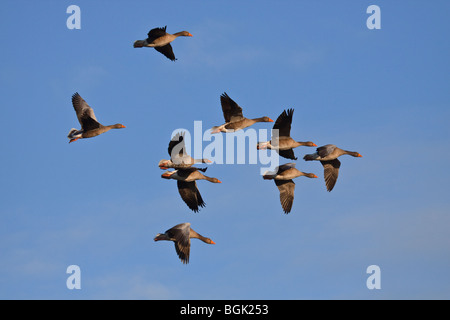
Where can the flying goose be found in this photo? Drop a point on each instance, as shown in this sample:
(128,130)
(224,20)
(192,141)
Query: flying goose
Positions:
(282,142)
(159,39)
(328,156)
(187,186)
(234,119)
(90,127)
(283,176)
(181,235)
(179,158)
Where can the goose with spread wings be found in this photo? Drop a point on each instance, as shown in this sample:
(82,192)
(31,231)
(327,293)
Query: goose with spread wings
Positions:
(187,185)
(234,118)
(283,177)
(281,140)
(328,157)
(181,235)
(90,127)
(179,158)
(159,39)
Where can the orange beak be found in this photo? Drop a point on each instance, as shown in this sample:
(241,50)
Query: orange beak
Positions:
(73,140)
(123,126)
(212,242)
(208,161)
(359,156)
(315,176)
(190,35)
(314,145)
(218,181)
(270,120)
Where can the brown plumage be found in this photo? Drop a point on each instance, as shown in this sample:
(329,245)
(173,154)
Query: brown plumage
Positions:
(159,39)
(234,118)
(327,155)
(181,235)
(187,186)
(179,158)
(90,127)
(282,142)
(283,177)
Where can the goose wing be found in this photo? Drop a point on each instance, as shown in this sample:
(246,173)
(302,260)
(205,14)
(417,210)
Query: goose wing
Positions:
(331,172)
(232,112)
(167,51)
(283,123)
(156,33)
(180,233)
(286,188)
(85,113)
(190,195)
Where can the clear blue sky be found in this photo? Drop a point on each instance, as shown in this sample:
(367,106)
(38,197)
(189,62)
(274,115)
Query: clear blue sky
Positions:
(98,203)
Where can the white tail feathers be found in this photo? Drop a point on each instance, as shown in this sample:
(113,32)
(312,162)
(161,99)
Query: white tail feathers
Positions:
(216,129)
(73,133)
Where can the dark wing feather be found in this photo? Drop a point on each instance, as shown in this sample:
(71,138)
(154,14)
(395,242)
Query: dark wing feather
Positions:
(156,33)
(288,154)
(232,112)
(284,167)
(283,123)
(185,172)
(331,172)
(85,113)
(178,141)
(286,188)
(180,233)
(167,51)
(190,195)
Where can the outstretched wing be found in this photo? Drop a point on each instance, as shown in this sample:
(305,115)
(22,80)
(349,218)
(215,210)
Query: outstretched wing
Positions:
(167,51)
(331,172)
(180,233)
(286,188)
(85,113)
(190,195)
(232,112)
(288,154)
(283,123)
(156,33)
(177,145)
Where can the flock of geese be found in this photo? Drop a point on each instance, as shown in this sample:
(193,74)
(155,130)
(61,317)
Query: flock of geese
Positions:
(184,171)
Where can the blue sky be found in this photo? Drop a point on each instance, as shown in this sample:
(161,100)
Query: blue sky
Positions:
(98,203)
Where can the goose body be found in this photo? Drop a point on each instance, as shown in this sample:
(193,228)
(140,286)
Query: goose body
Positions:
(234,118)
(181,235)
(179,158)
(328,157)
(90,127)
(283,177)
(187,186)
(282,142)
(159,39)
